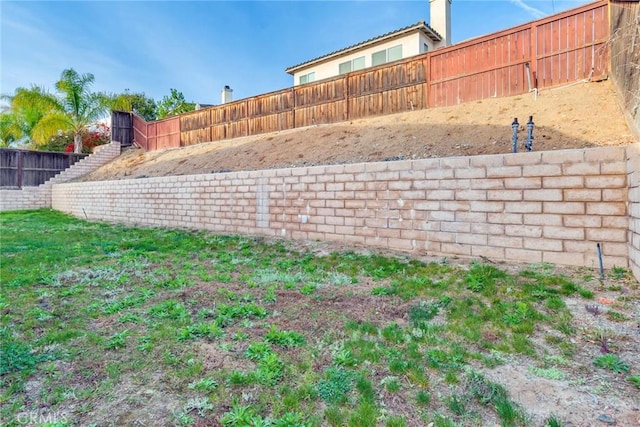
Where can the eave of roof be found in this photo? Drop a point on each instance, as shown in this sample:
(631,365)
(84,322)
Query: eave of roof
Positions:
(419,26)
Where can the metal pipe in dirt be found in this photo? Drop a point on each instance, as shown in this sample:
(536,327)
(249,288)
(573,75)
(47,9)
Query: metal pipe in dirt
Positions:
(600,260)
(530,125)
(514,126)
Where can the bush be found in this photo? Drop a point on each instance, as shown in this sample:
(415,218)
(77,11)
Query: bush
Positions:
(100,134)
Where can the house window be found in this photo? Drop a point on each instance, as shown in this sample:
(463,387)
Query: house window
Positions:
(307,78)
(388,55)
(345,67)
(425,48)
(394,53)
(358,63)
(353,65)
(379,58)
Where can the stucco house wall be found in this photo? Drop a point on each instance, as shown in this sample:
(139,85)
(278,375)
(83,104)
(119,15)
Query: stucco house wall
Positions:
(412,44)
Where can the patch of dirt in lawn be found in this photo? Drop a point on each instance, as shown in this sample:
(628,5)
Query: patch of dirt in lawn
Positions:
(577,116)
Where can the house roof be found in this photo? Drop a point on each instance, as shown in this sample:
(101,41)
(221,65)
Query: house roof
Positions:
(419,26)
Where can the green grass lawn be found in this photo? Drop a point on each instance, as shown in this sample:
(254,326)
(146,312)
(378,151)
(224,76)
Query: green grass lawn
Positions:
(109,325)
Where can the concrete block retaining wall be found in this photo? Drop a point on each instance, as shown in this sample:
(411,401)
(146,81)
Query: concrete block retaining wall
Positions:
(533,207)
(40,196)
(633,180)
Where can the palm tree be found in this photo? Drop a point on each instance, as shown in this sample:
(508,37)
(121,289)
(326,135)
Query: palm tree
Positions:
(73,110)
(78,108)
(27,107)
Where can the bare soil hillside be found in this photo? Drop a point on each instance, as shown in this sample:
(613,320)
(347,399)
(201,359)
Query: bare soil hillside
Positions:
(575,116)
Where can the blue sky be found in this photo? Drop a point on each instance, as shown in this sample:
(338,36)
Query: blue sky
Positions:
(198,47)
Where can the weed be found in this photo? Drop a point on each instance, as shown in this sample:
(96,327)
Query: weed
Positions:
(615,316)
(365,388)
(258,351)
(549,373)
(16,356)
(365,415)
(344,357)
(335,385)
(423,311)
(553,421)
(238,416)
(205,385)
(509,413)
(240,378)
(285,339)
(423,398)
(169,309)
(635,380)
(482,277)
(440,420)
(334,416)
(612,362)
(455,404)
(144,344)
(393,333)
(117,340)
(200,330)
(391,384)
(200,405)
(395,421)
(270,370)
(619,272)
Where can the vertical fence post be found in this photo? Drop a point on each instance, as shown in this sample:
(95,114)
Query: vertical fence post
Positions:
(346,95)
(293,92)
(20,168)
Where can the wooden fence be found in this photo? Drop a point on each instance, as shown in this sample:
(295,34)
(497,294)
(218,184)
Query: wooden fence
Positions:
(625,57)
(122,127)
(556,50)
(19,168)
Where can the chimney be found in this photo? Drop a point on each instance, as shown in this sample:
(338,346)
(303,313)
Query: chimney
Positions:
(440,17)
(226,95)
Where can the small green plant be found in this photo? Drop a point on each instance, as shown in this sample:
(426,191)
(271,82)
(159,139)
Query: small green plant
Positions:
(169,309)
(553,421)
(238,416)
(455,404)
(285,339)
(483,277)
(549,373)
(615,316)
(15,356)
(423,311)
(200,330)
(206,385)
(335,385)
(117,340)
(635,380)
(510,414)
(391,384)
(270,370)
(395,421)
(423,398)
(619,272)
(258,351)
(612,362)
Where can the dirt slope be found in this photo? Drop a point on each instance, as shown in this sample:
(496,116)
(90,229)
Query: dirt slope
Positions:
(575,116)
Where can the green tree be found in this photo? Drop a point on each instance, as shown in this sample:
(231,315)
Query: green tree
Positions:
(139,103)
(26,108)
(73,109)
(174,104)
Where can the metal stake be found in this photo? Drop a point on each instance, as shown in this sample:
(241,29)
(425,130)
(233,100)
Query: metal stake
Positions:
(529,144)
(515,125)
